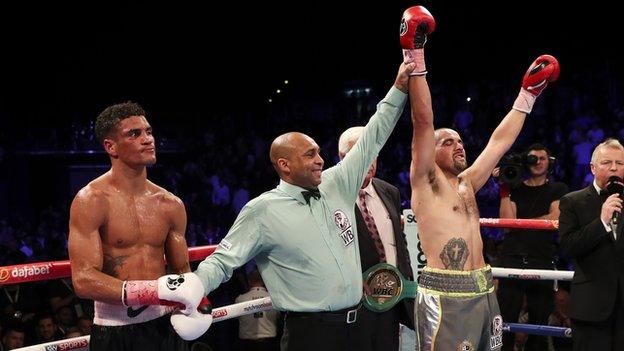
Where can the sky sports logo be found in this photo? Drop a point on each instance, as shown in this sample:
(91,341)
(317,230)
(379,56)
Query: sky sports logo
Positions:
(68,345)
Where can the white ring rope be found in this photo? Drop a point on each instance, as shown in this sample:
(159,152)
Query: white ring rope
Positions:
(219,314)
(531,274)
(259,305)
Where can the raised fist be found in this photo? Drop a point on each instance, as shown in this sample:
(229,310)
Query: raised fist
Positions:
(543,70)
(416,23)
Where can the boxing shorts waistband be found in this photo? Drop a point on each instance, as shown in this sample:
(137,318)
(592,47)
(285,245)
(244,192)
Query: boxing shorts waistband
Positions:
(456,283)
(347,315)
(118,315)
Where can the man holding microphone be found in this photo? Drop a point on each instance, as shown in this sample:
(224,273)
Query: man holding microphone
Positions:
(591,236)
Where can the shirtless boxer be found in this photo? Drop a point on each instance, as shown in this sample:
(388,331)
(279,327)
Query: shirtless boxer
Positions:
(120,226)
(456,305)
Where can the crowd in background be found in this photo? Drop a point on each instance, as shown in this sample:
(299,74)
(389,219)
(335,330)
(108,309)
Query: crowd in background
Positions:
(216,169)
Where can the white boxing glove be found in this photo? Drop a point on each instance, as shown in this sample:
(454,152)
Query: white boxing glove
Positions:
(186,289)
(192,326)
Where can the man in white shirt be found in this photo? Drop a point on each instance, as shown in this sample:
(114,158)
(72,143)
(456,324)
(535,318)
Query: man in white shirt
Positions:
(257,331)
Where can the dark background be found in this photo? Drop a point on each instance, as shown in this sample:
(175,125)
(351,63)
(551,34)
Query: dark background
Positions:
(65,62)
(195,68)
(205,76)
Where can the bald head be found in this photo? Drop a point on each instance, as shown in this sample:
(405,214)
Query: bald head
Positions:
(295,156)
(284,145)
(441,133)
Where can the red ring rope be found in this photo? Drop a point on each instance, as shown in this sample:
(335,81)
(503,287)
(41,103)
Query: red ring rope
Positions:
(37,271)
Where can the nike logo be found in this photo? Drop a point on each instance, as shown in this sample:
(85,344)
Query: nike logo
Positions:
(132,313)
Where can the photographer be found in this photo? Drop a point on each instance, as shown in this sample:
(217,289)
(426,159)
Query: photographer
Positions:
(534,198)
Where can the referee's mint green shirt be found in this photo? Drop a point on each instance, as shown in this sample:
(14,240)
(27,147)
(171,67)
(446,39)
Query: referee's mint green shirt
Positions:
(308,255)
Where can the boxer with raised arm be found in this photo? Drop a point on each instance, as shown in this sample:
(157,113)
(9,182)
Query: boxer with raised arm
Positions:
(456,305)
(121,225)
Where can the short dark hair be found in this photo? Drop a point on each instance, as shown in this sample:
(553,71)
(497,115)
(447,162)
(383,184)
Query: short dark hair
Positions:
(109,118)
(45,315)
(13,325)
(255,277)
(538,147)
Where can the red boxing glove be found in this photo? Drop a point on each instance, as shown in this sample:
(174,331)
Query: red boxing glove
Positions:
(504,190)
(543,70)
(416,23)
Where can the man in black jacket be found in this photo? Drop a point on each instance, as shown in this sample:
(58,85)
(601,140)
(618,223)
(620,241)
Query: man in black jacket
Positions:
(589,237)
(381,240)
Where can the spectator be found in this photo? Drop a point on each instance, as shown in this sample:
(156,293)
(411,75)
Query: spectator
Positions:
(46,329)
(13,337)
(258,331)
(560,318)
(84,325)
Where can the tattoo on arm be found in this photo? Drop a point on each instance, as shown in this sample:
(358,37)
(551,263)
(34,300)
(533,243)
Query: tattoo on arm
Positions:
(455,254)
(112,264)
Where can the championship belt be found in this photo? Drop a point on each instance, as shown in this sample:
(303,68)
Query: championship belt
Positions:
(386,287)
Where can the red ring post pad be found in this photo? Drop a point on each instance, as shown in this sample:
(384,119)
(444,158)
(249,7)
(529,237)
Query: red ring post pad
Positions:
(37,271)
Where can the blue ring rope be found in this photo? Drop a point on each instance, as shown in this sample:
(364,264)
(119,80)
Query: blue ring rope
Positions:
(546,330)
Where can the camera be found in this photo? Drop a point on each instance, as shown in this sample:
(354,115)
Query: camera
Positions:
(513,165)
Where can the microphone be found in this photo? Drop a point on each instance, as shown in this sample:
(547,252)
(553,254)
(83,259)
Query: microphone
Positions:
(615,185)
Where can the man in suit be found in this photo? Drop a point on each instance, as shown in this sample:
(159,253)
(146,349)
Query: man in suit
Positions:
(381,240)
(588,236)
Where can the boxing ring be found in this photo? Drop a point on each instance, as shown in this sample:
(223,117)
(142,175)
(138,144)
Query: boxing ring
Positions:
(40,271)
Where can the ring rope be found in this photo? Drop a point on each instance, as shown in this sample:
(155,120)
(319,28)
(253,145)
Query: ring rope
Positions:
(218,314)
(264,304)
(39,271)
(545,330)
(531,274)
(542,224)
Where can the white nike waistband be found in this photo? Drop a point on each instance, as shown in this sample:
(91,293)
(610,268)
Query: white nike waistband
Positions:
(117,315)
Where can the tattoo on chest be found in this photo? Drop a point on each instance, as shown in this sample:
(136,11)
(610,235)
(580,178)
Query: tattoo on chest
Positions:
(112,264)
(455,254)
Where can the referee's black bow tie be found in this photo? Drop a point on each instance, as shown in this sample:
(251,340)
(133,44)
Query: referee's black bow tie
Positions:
(307,194)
